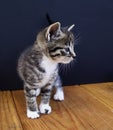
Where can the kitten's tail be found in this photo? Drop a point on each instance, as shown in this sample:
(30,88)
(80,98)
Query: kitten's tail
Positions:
(50,21)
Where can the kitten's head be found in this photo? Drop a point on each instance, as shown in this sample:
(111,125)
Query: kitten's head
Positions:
(58,42)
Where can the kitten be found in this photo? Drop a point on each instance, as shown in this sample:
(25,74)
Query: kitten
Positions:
(38,67)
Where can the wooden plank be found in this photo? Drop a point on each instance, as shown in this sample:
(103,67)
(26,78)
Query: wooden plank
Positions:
(103,92)
(60,119)
(80,111)
(92,113)
(8,117)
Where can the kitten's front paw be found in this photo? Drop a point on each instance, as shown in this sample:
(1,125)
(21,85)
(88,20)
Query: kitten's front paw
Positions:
(45,109)
(59,96)
(33,114)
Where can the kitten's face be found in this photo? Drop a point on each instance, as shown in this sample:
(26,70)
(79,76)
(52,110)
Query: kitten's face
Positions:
(63,50)
(60,43)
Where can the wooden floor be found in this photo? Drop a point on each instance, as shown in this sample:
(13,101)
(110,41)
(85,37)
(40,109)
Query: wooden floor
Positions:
(86,107)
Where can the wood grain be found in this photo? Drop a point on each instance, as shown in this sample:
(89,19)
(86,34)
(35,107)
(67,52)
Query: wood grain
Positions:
(8,115)
(103,92)
(86,107)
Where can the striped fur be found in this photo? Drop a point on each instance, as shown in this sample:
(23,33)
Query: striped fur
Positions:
(38,67)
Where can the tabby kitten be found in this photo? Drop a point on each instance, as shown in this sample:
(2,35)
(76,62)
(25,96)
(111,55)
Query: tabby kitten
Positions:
(38,67)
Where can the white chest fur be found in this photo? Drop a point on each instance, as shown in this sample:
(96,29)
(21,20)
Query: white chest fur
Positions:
(50,67)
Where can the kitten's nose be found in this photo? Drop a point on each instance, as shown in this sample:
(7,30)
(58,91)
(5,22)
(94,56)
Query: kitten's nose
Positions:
(73,56)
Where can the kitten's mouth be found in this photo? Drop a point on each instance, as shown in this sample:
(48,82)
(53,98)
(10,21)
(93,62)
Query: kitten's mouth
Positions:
(67,60)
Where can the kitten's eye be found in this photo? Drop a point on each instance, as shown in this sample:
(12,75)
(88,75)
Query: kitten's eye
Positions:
(58,54)
(67,50)
(55,55)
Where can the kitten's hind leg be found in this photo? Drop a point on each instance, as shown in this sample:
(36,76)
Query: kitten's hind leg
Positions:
(59,95)
(31,102)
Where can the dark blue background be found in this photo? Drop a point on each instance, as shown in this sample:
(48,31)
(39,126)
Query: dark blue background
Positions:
(21,20)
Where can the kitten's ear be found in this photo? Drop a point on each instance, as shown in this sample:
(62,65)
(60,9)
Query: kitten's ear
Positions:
(71,27)
(52,30)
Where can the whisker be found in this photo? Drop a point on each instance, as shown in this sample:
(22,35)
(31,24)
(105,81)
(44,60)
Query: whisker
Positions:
(78,35)
(71,65)
(60,67)
(77,38)
(66,69)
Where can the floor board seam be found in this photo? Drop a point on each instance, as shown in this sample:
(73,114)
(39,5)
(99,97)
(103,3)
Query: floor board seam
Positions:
(16,110)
